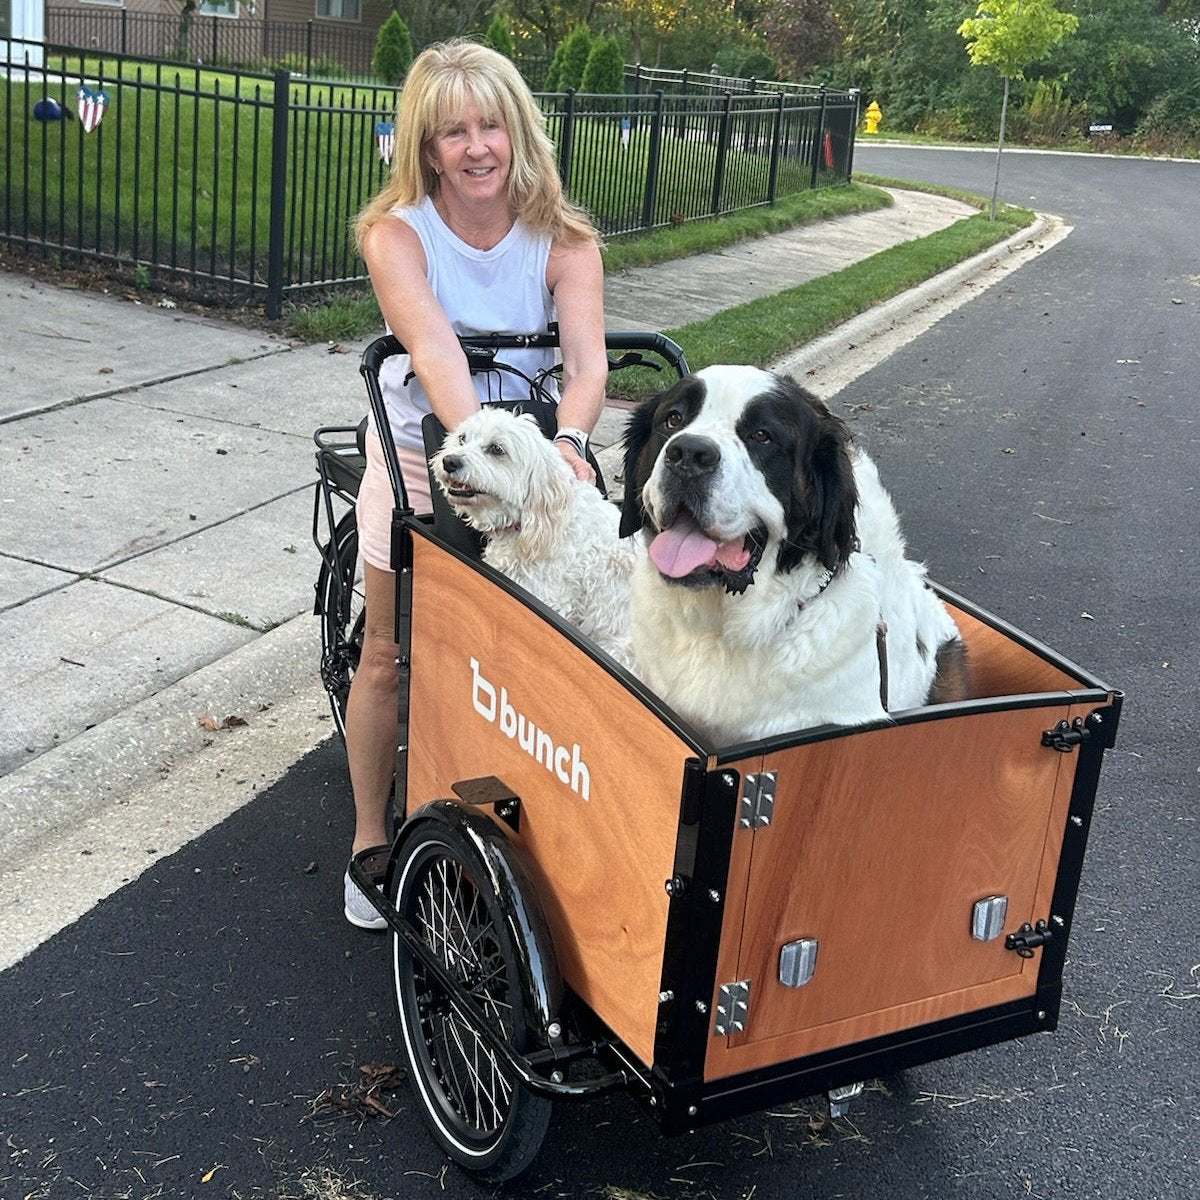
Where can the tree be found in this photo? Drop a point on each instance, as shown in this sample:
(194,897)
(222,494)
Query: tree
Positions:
(802,34)
(575,51)
(393,51)
(1011,35)
(604,74)
(499,37)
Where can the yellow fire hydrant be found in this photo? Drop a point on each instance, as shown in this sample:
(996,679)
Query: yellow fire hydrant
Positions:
(873,116)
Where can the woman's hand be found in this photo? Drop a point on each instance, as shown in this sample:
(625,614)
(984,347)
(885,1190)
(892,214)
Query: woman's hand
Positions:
(582,468)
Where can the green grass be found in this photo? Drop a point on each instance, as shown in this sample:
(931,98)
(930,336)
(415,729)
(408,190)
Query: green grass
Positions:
(763,331)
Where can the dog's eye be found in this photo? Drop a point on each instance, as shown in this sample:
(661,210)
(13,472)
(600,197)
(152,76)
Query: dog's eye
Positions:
(495,449)
(761,436)
(673,419)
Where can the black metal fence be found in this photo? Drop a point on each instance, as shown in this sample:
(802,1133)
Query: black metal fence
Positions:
(235,187)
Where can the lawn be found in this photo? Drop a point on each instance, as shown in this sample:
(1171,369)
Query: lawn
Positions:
(178,175)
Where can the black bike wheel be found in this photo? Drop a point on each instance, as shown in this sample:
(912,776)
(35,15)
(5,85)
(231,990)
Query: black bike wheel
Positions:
(340,601)
(484,1119)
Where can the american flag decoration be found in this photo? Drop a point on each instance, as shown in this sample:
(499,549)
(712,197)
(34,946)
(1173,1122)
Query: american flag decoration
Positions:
(385,139)
(92,104)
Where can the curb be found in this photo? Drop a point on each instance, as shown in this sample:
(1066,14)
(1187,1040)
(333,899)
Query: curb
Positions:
(100,765)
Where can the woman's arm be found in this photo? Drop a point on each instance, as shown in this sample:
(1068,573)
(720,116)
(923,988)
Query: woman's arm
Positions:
(396,262)
(575,277)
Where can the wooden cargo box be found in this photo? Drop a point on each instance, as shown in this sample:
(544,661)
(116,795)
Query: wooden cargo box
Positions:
(773,919)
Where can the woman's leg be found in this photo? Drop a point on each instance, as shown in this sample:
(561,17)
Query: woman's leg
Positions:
(371,733)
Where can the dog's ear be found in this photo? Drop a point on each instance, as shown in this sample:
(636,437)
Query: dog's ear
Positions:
(546,507)
(824,494)
(638,432)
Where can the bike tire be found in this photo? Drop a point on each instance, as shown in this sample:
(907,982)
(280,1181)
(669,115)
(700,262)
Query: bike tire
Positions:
(483,1118)
(340,603)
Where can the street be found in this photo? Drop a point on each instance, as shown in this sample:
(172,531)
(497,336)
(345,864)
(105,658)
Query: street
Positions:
(202,1031)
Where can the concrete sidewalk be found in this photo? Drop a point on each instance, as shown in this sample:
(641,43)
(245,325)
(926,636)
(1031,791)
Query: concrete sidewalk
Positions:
(156,564)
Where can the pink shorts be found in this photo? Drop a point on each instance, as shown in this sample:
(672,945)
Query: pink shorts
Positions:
(373,512)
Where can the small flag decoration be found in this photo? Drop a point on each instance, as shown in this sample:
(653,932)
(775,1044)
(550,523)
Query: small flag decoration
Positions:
(385,139)
(92,103)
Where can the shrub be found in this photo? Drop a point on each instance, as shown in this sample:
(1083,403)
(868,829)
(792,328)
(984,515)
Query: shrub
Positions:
(575,51)
(499,37)
(604,73)
(393,50)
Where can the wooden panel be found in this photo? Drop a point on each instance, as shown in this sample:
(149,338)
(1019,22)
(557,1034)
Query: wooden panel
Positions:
(1001,667)
(600,807)
(880,845)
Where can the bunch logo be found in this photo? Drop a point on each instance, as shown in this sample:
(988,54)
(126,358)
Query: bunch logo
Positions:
(496,708)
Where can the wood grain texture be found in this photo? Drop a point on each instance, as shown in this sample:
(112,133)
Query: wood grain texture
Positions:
(598,824)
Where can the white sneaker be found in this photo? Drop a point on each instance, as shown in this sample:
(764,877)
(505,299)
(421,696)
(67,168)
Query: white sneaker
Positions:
(359,910)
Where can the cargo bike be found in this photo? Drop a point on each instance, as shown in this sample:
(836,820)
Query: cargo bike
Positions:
(584,894)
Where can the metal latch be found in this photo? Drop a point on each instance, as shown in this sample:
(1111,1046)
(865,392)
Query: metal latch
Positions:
(1065,736)
(758,800)
(733,1008)
(1028,938)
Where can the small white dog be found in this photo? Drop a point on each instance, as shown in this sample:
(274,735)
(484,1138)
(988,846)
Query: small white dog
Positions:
(549,532)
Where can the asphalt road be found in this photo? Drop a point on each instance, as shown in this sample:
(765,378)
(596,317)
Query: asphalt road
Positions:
(1042,445)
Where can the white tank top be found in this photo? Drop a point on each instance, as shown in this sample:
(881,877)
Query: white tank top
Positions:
(501,290)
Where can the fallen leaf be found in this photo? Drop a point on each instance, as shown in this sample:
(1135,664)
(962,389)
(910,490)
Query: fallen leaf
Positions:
(213,725)
(105,371)
(207,1176)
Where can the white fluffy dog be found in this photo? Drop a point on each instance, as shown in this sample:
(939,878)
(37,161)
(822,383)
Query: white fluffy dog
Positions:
(777,593)
(547,531)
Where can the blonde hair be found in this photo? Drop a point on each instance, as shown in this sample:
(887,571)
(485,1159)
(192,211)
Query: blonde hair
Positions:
(435,92)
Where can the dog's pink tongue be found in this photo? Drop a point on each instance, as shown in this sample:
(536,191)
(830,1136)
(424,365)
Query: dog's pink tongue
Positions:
(685,548)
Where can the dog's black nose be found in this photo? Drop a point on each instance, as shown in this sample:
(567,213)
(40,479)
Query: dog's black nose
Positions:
(691,454)
(451,464)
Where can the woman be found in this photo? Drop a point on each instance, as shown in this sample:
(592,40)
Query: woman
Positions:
(471,233)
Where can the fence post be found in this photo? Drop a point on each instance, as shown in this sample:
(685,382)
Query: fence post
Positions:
(124,30)
(776,147)
(566,147)
(278,207)
(852,140)
(308,49)
(816,150)
(652,162)
(722,153)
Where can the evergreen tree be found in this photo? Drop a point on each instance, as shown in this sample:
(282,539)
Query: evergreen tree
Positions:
(604,72)
(499,36)
(393,51)
(575,51)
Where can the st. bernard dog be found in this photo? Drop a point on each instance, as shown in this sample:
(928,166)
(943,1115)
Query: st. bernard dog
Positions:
(776,594)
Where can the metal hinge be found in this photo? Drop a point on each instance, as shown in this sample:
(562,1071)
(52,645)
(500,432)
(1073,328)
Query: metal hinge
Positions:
(758,800)
(733,1008)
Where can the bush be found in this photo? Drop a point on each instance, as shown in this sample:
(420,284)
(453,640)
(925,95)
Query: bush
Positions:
(393,51)
(604,73)
(499,37)
(575,51)
(554,71)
